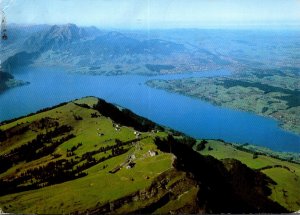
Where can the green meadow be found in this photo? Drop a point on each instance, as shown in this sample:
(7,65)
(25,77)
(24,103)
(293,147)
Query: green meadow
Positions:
(99,186)
(82,161)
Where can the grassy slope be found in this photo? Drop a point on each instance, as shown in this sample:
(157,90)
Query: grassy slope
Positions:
(99,186)
(286,192)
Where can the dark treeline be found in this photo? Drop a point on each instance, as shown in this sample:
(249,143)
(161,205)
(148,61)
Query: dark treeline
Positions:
(71,152)
(21,128)
(77,117)
(14,131)
(53,173)
(95,115)
(275,166)
(116,150)
(3,136)
(91,161)
(45,123)
(292,97)
(40,146)
(82,105)
(201,145)
(255,153)
(61,170)
(114,147)
(8,187)
(225,187)
(125,117)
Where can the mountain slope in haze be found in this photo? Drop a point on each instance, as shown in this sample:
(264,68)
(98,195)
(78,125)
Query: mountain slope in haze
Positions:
(55,38)
(201,49)
(89,156)
(88,50)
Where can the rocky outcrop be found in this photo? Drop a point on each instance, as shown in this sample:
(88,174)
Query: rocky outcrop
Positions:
(162,190)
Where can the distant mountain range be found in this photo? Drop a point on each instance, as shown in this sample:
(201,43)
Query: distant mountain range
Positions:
(58,37)
(100,51)
(90,50)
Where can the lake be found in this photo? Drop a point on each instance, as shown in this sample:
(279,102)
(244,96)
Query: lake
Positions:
(50,86)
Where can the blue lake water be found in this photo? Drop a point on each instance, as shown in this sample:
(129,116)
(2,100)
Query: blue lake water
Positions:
(50,86)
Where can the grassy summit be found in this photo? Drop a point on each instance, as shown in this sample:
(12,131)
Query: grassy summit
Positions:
(91,156)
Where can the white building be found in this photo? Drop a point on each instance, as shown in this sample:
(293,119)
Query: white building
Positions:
(152,153)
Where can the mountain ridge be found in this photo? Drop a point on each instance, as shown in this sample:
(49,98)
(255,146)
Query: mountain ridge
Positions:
(90,142)
(86,48)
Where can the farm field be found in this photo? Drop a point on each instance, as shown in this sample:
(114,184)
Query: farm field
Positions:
(271,93)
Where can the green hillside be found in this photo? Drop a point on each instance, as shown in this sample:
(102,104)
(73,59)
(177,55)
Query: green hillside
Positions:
(284,173)
(89,156)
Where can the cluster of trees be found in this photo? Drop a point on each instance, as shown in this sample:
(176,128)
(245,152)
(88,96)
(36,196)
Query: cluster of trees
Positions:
(40,146)
(201,145)
(52,173)
(71,152)
(58,171)
(256,154)
(91,161)
(125,117)
(77,117)
(117,149)
(46,122)
(8,187)
(95,115)
(3,136)
(82,105)
(50,148)
(6,163)
(14,131)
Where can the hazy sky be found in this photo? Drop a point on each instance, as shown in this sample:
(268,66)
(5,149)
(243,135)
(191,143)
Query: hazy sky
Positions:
(155,13)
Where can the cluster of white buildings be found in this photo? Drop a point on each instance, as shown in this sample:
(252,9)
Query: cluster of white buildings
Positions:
(137,134)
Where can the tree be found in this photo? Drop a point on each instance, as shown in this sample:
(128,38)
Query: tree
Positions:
(2,135)
(204,141)
(200,146)
(255,155)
